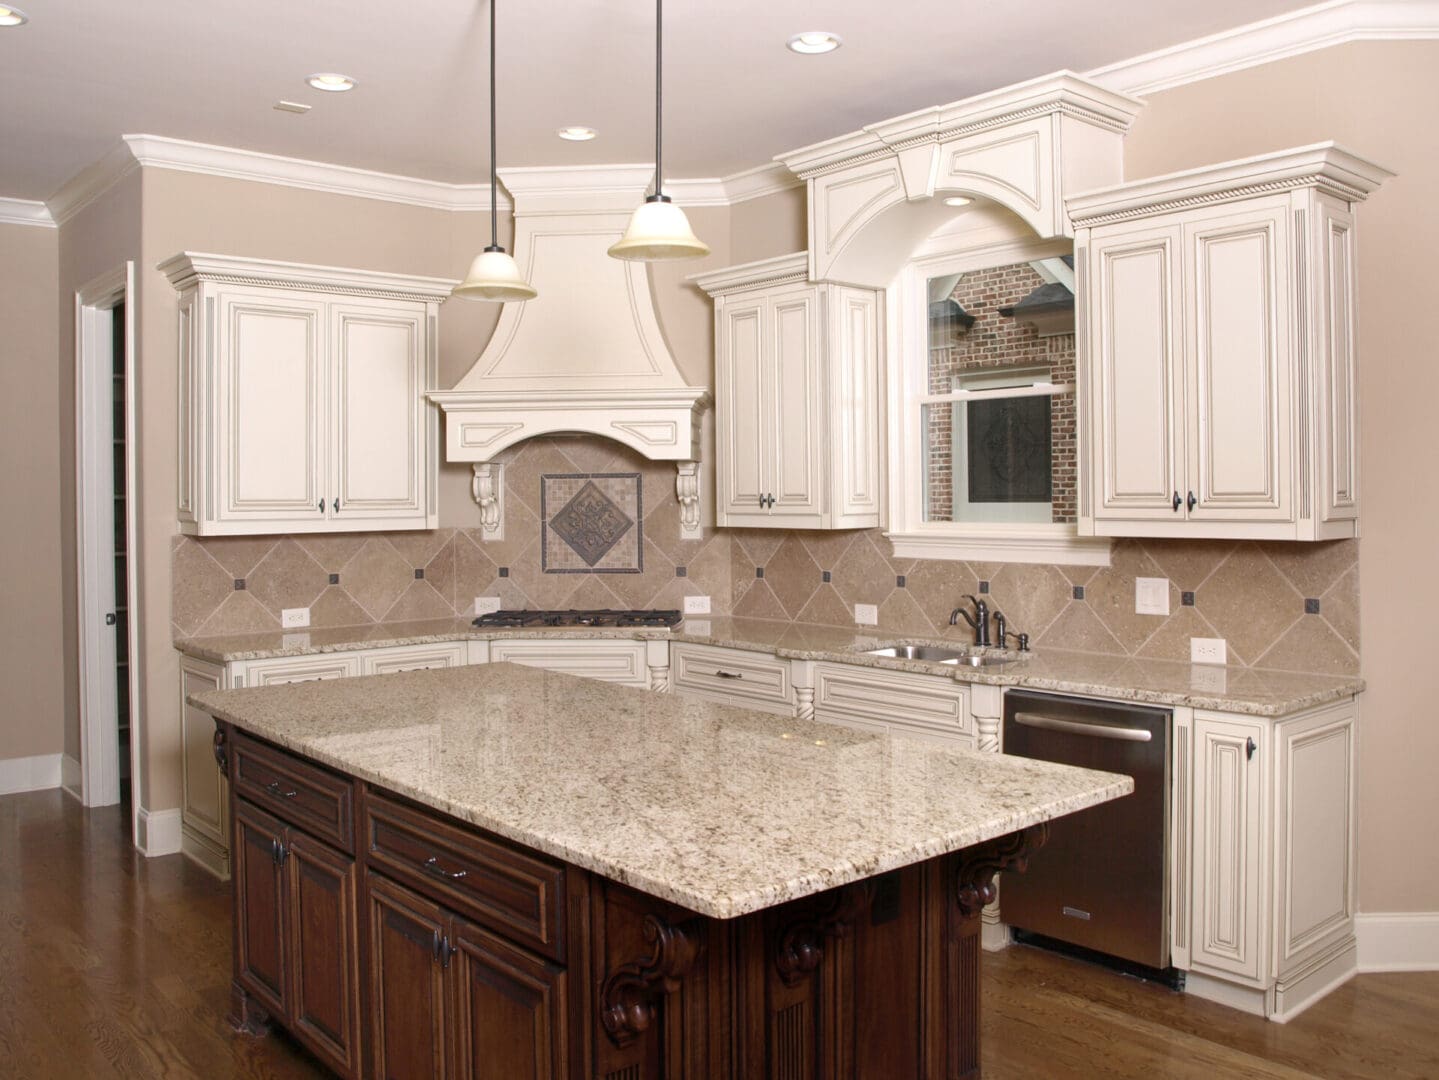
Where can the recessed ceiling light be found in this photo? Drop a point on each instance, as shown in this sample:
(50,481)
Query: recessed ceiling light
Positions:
(577,134)
(958,200)
(13,17)
(331,82)
(814,41)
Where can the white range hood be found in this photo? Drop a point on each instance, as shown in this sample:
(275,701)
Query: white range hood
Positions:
(587,354)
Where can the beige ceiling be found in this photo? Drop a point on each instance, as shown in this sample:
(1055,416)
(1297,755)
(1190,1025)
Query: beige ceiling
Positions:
(84,72)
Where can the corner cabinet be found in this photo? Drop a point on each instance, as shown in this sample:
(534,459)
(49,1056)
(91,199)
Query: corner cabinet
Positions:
(796,398)
(1217,353)
(302,397)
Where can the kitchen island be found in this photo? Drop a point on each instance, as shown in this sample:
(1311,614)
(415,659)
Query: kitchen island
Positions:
(503,871)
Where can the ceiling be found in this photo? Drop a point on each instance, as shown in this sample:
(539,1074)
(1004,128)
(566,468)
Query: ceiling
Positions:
(84,72)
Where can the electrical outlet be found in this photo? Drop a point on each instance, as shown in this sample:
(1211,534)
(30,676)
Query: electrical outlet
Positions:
(295,616)
(697,605)
(1208,678)
(1207,650)
(295,641)
(1151,596)
(866,615)
(484,605)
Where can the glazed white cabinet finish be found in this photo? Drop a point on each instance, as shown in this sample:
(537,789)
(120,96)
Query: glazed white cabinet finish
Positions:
(933,707)
(1217,350)
(796,382)
(302,403)
(739,677)
(204,793)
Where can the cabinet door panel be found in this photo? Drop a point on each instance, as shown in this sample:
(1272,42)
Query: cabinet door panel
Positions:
(324,967)
(1238,369)
(380,411)
(260,923)
(794,404)
(739,406)
(510,1010)
(1138,445)
(205,809)
(409,1007)
(269,452)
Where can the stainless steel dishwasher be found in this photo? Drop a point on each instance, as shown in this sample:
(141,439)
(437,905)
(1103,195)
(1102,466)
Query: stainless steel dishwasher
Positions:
(1102,880)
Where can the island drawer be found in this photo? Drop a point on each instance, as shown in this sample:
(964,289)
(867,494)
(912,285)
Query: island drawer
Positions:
(753,680)
(500,886)
(901,701)
(300,793)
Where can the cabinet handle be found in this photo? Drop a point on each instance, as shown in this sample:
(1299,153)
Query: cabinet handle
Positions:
(1249,747)
(1192,501)
(1176,502)
(728,674)
(443,950)
(771,501)
(432,866)
(321,506)
(336,504)
(278,850)
(273,787)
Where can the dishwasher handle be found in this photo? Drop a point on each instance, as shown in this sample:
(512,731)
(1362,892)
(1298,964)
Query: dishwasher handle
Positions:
(1076,727)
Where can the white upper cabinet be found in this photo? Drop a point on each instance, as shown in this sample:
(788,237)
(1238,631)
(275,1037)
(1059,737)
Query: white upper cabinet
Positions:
(796,384)
(1216,350)
(302,404)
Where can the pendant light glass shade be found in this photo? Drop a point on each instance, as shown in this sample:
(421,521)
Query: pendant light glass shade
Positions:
(659,230)
(494,275)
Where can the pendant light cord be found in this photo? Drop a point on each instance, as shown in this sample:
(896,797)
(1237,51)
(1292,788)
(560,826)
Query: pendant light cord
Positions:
(494,171)
(659,91)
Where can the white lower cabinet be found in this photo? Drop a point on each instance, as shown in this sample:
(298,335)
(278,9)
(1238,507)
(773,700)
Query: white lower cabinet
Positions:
(445,654)
(739,677)
(931,707)
(204,797)
(642,664)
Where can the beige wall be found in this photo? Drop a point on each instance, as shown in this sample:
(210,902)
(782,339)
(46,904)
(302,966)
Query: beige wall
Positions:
(1377,100)
(773,225)
(32,694)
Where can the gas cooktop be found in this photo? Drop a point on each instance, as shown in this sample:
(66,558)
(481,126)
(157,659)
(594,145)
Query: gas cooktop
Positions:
(600,617)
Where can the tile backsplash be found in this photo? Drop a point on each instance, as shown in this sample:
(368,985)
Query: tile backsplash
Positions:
(1280,605)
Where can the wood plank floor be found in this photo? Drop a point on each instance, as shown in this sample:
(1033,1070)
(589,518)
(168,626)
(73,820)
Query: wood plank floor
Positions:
(112,965)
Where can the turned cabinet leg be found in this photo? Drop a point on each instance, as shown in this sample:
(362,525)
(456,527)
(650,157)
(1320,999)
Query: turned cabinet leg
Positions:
(246,1014)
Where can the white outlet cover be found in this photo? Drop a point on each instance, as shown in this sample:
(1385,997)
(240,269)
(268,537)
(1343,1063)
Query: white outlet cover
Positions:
(294,616)
(697,605)
(866,615)
(1205,650)
(484,605)
(1151,596)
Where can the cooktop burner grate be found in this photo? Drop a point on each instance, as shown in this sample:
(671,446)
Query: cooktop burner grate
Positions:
(573,617)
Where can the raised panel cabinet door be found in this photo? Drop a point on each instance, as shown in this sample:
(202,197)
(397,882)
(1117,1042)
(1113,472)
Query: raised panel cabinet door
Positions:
(268,450)
(852,404)
(409,991)
(1229,845)
(740,405)
(1338,421)
(324,951)
(1238,364)
(258,884)
(204,812)
(510,1010)
(797,448)
(378,419)
(1137,441)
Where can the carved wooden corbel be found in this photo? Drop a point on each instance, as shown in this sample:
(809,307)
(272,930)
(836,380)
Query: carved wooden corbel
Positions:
(631,993)
(979,865)
(687,491)
(801,944)
(489,491)
(221,749)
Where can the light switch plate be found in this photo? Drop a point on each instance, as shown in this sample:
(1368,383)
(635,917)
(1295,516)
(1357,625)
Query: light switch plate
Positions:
(484,605)
(1207,650)
(1151,596)
(294,616)
(697,605)
(866,615)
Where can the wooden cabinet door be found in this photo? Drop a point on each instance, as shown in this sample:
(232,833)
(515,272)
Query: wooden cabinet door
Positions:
(510,1010)
(379,417)
(794,427)
(741,407)
(1238,373)
(408,985)
(267,458)
(323,947)
(261,933)
(1229,845)
(1136,392)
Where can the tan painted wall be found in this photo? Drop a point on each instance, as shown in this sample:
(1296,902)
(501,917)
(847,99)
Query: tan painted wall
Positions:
(773,225)
(1377,100)
(32,687)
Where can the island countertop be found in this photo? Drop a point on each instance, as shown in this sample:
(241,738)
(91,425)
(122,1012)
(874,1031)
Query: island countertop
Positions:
(718,809)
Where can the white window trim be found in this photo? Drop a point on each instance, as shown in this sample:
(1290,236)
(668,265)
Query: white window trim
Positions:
(908,351)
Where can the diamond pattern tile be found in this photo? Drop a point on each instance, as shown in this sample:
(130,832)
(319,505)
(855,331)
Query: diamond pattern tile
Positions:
(593,523)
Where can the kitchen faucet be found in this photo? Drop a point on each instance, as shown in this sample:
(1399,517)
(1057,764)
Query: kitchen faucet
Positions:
(1002,634)
(979,620)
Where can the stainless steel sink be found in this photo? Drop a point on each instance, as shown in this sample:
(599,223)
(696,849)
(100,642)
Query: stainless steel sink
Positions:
(986,660)
(934,653)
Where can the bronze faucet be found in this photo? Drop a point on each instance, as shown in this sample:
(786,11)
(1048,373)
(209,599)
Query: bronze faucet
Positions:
(979,620)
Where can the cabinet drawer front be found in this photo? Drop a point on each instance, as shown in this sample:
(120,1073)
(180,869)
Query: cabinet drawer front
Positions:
(301,794)
(933,704)
(498,886)
(293,669)
(735,674)
(413,658)
(618,661)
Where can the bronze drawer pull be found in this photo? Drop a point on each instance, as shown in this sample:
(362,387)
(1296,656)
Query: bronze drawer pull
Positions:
(273,787)
(432,866)
(728,675)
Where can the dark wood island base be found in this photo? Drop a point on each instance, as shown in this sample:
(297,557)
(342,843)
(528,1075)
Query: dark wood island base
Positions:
(394,941)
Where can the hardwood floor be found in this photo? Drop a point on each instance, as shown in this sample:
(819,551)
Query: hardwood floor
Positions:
(112,965)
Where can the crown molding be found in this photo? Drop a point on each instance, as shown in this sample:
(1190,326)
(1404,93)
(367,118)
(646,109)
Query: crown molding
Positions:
(25,212)
(190,267)
(91,182)
(1306,30)
(765,272)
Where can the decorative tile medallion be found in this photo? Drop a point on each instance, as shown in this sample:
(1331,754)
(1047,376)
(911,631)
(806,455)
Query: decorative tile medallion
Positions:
(591,523)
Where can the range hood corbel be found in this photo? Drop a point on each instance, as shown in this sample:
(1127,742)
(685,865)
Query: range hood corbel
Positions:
(587,356)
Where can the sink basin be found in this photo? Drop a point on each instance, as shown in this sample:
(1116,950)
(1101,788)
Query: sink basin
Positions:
(934,653)
(977,661)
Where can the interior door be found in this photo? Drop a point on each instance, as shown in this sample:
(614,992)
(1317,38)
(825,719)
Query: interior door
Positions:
(793,414)
(740,407)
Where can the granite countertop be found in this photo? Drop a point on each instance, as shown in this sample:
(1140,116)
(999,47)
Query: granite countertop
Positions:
(718,809)
(1250,691)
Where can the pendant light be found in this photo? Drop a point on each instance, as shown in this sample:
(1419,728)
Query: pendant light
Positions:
(494,275)
(658,228)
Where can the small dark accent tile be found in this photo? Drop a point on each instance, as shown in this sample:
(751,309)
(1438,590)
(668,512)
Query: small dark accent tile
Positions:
(1079,592)
(504,571)
(239,584)
(419,573)
(1186,599)
(334,579)
(682,571)
(983,587)
(759,571)
(899,581)
(824,576)
(1311,606)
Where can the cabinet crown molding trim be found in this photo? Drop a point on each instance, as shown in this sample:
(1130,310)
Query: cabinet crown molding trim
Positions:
(189,267)
(782,269)
(25,212)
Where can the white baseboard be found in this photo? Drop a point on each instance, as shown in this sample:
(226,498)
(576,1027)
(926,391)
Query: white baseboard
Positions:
(72,780)
(158,832)
(39,773)
(1398,940)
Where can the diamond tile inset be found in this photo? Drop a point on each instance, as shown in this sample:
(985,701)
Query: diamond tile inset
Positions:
(596,528)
